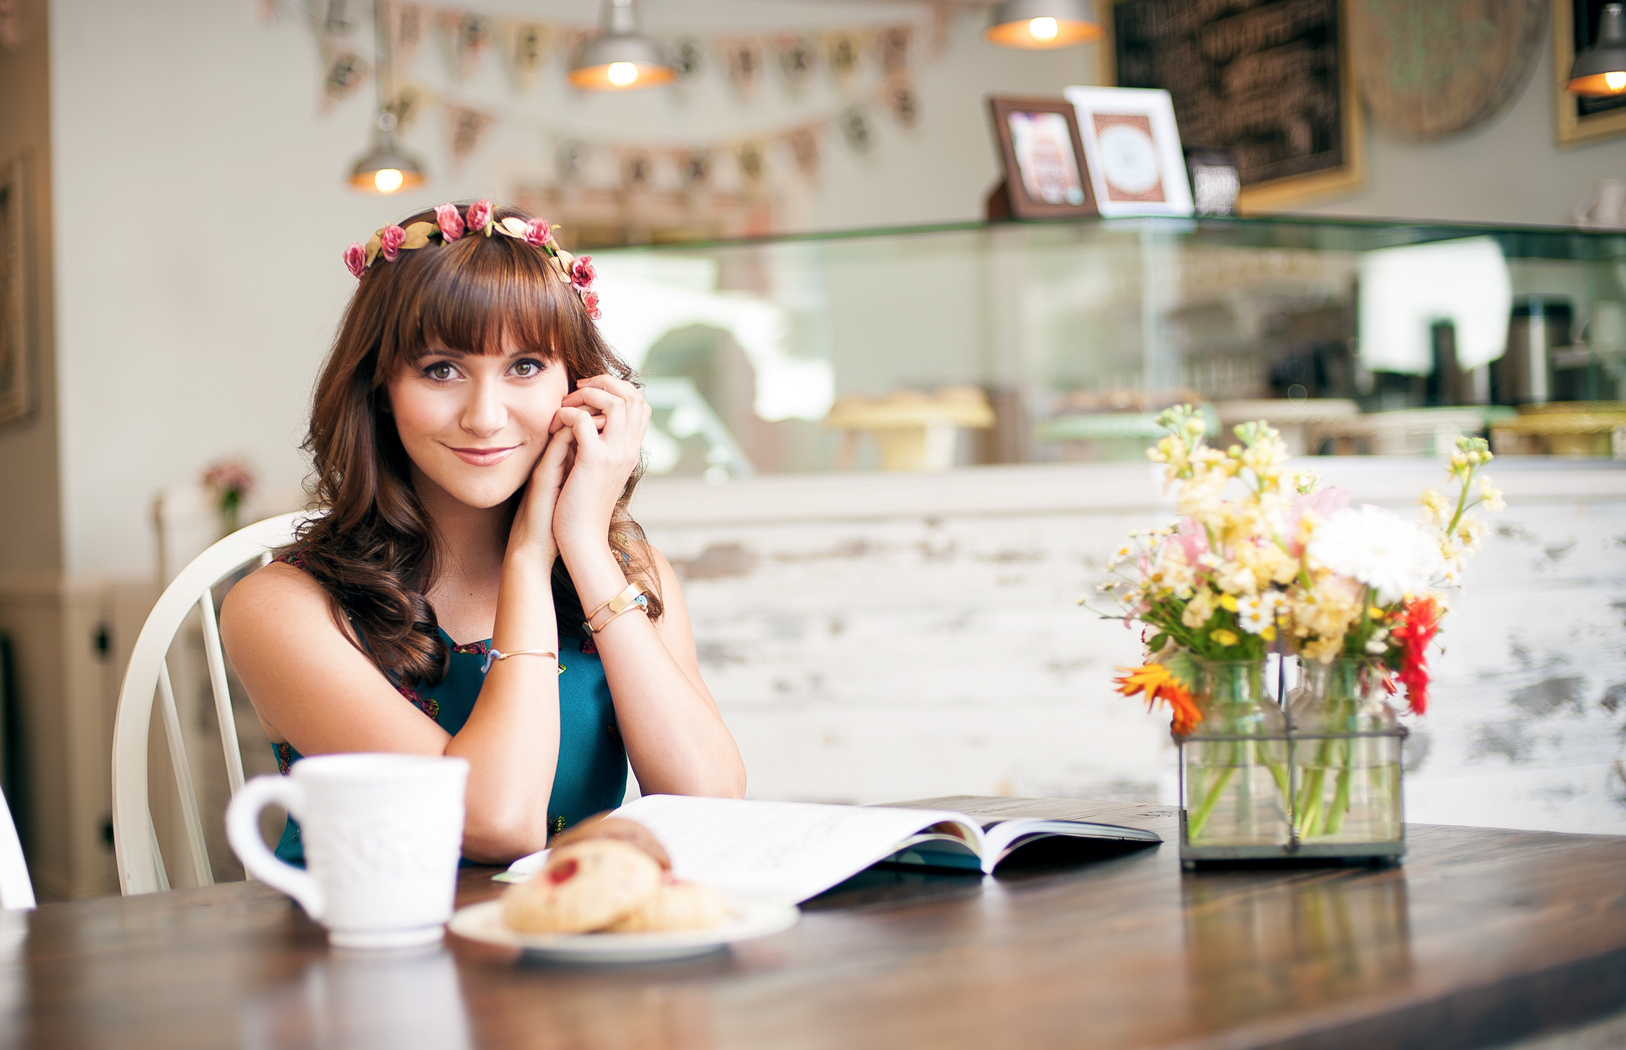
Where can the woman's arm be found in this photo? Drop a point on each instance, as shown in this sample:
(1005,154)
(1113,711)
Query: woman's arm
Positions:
(675,738)
(313,687)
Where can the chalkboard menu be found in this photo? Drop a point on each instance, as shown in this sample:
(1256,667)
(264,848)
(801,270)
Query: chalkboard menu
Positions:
(1267,80)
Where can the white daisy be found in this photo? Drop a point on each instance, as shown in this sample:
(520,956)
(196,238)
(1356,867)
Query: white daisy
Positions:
(1372,545)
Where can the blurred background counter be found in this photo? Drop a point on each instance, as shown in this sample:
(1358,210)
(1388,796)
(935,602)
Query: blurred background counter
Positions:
(973,344)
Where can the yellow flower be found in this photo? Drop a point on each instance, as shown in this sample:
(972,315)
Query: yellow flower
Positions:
(1223,637)
(1199,609)
(1228,602)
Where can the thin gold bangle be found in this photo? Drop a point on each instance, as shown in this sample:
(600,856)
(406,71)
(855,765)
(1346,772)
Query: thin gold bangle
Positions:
(494,654)
(631,595)
(637,603)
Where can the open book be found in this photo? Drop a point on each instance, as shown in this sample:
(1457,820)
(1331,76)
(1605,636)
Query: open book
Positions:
(790,851)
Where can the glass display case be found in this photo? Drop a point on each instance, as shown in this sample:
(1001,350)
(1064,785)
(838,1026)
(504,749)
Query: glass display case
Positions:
(935,347)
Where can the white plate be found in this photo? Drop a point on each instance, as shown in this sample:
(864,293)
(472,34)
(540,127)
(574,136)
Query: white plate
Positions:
(750,919)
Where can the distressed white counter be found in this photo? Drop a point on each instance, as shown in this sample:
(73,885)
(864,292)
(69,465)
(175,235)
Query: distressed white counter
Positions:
(884,636)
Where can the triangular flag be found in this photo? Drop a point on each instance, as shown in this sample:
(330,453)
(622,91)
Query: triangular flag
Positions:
(855,126)
(749,159)
(527,48)
(467,37)
(744,63)
(345,72)
(637,170)
(892,44)
(694,168)
(403,30)
(570,162)
(687,57)
(466,126)
(841,54)
(900,97)
(804,146)
(798,60)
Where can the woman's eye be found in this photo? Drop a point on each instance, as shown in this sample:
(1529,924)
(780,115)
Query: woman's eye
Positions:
(440,370)
(528,368)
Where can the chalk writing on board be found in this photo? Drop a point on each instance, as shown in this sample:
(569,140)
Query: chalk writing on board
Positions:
(1261,78)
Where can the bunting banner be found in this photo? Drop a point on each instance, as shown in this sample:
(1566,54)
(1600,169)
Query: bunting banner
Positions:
(883,54)
(467,126)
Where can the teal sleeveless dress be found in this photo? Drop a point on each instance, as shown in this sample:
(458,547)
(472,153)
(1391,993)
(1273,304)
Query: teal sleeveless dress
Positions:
(591,775)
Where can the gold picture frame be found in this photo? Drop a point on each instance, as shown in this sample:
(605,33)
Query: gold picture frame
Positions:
(16,382)
(1570,126)
(1293,189)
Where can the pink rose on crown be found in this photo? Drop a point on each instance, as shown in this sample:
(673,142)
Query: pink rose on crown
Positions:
(537,232)
(450,223)
(355,257)
(590,300)
(478,217)
(582,273)
(392,237)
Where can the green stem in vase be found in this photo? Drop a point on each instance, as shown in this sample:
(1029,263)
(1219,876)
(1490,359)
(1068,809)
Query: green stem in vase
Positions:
(1205,808)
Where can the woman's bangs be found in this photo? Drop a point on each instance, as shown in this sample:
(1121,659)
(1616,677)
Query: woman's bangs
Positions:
(475,298)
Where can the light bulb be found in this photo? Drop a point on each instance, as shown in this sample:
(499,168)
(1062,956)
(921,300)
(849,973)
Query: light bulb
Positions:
(387,180)
(1614,81)
(1042,29)
(622,74)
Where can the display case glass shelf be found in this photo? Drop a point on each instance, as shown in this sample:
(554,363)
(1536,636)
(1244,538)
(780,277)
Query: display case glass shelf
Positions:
(940,346)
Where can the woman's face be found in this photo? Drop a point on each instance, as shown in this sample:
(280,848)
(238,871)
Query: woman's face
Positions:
(475,424)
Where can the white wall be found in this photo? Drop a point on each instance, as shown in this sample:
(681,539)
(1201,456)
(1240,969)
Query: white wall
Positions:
(201,213)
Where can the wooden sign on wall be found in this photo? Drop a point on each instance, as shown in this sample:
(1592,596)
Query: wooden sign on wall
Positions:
(1432,67)
(1271,83)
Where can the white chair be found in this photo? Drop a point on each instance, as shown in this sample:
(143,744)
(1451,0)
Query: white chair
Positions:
(135,841)
(16,891)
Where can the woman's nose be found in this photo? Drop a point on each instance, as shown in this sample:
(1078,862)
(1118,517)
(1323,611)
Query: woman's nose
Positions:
(485,412)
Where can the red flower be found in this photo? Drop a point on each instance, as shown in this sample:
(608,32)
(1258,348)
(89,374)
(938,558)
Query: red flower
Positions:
(479,217)
(590,300)
(1419,623)
(451,224)
(537,232)
(355,257)
(392,237)
(582,273)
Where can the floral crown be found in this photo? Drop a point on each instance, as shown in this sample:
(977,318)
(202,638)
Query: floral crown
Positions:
(479,219)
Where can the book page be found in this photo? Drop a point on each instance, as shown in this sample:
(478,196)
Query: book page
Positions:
(778,851)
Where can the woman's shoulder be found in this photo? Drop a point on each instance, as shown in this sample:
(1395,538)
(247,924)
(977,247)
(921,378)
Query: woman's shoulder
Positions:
(275,593)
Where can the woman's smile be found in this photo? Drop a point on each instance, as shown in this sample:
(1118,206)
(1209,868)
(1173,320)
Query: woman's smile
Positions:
(483,457)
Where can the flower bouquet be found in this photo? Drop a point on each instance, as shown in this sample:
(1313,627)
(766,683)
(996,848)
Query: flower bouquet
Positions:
(1263,560)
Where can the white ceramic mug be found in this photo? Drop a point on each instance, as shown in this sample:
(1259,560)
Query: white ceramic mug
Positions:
(382,833)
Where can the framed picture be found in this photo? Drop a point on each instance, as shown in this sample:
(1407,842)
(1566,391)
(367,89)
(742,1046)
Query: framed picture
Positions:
(1045,176)
(1132,150)
(15,384)
(1274,86)
(1578,119)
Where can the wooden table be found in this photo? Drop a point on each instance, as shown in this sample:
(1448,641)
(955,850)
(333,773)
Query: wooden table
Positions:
(1483,936)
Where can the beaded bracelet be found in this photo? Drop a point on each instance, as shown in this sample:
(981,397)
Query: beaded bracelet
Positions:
(494,654)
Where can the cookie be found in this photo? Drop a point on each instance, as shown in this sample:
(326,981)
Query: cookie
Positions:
(629,831)
(675,905)
(586,886)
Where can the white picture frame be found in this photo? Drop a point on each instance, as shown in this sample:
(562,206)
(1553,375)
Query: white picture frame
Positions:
(1132,148)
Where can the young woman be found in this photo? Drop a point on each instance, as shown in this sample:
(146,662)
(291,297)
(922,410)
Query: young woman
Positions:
(475,444)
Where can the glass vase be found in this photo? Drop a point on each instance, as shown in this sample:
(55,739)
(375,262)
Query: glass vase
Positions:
(1346,747)
(1233,765)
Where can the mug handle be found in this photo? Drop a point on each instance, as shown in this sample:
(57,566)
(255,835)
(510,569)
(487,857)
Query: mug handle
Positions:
(243,832)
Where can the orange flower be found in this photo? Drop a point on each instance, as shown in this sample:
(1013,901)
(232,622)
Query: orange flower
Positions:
(1158,683)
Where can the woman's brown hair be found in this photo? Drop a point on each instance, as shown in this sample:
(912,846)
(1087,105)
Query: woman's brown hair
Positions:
(374,550)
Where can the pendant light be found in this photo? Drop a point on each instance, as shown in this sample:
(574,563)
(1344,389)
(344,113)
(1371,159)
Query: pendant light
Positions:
(385,169)
(1601,68)
(1043,25)
(621,58)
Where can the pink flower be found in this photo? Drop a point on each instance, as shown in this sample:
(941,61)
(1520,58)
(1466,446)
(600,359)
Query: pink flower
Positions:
(1323,505)
(590,300)
(537,232)
(355,257)
(393,236)
(451,224)
(1192,539)
(582,273)
(479,217)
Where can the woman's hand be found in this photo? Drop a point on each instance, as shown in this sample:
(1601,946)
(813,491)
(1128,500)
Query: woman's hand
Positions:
(602,461)
(532,532)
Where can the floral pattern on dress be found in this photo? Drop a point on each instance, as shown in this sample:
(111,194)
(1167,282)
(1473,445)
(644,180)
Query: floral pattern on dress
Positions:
(285,757)
(588,648)
(427,704)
